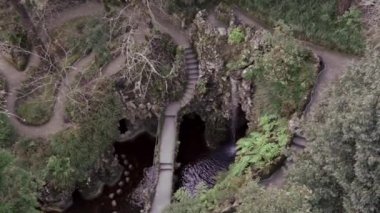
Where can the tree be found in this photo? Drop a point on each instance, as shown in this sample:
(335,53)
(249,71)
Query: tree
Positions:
(17,188)
(344,140)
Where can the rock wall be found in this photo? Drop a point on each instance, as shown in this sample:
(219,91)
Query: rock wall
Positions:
(218,63)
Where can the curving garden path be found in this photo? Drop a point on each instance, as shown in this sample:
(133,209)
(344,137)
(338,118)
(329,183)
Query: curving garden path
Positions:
(335,64)
(14,77)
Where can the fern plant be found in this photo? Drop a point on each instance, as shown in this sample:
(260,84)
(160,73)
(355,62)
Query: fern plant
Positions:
(259,148)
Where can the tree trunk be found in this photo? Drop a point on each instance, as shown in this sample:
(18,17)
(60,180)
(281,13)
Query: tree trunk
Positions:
(343,6)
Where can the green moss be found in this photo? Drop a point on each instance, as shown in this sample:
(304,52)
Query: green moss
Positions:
(236,36)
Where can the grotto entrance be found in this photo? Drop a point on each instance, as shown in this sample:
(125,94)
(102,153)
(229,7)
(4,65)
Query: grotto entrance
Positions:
(192,137)
(123,126)
(198,162)
(134,156)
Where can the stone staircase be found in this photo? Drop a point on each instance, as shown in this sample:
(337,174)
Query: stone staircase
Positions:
(168,136)
(192,72)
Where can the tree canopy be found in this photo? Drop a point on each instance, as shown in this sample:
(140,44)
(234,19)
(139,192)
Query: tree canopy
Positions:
(342,166)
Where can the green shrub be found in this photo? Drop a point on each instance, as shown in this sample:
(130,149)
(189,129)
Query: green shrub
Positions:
(32,155)
(242,195)
(342,162)
(283,76)
(7,134)
(17,188)
(59,168)
(316,20)
(236,36)
(76,150)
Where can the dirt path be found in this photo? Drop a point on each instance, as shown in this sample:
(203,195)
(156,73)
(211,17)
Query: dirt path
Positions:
(335,65)
(14,78)
(163,22)
(82,10)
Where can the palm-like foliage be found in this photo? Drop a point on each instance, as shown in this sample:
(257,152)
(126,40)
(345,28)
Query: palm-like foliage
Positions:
(259,148)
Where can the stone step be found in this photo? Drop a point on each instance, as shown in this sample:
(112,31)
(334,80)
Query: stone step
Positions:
(193,66)
(191,61)
(166,166)
(188,50)
(191,86)
(193,77)
(192,71)
(192,74)
(190,56)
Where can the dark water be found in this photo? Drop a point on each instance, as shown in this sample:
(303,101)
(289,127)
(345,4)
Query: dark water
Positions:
(192,137)
(139,154)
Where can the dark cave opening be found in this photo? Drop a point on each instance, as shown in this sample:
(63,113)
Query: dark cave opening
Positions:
(192,137)
(194,155)
(134,156)
(123,126)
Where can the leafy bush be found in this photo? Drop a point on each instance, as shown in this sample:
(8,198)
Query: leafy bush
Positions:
(7,134)
(59,168)
(17,188)
(236,36)
(260,148)
(32,155)
(76,150)
(283,76)
(342,166)
(316,20)
(242,195)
